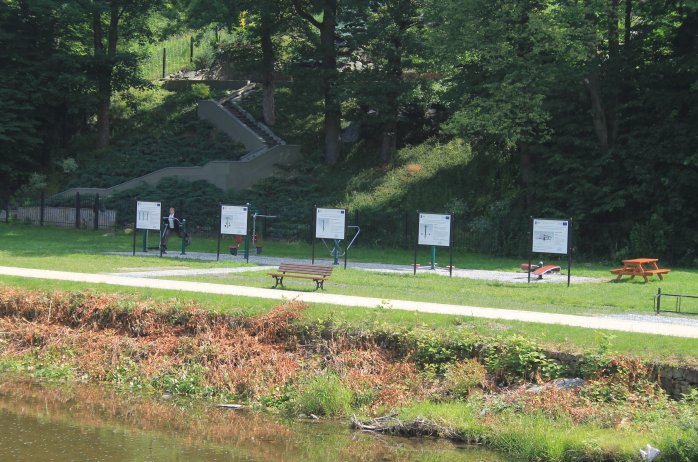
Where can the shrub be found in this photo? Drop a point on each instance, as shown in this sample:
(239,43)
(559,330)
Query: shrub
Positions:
(323,395)
(463,377)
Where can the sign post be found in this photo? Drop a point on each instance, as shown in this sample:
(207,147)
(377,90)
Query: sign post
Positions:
(435,230)
(330,224)
(147,217)
(234,221)
(551,236)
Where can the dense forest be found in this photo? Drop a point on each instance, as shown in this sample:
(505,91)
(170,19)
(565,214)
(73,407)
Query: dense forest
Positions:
(516,108)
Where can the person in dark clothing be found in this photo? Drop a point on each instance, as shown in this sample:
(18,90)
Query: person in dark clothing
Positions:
(172,225)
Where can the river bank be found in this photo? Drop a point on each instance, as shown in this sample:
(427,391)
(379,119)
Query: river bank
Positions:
(502,393)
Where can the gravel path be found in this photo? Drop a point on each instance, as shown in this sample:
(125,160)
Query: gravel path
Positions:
(605,323)
(264,260)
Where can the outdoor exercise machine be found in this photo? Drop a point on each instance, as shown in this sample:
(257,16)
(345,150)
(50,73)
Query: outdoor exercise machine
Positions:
(254,230)
(336,251)
(179,228)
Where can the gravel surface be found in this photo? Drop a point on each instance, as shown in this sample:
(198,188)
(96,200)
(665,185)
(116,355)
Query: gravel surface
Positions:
(263,260)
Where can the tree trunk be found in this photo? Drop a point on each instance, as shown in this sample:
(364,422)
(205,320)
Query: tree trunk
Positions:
(628,25)
(526,174)
(268,102)
(332,123)
(613,74)
(329,67)
(598,114)
(104,66)
(394,75)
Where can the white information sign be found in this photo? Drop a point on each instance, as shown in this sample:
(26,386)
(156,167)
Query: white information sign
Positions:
(434,229)
(234,220)
(148,215)
(550,236)
(329,223)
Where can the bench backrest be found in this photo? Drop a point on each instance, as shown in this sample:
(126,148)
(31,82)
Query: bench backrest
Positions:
(299,268)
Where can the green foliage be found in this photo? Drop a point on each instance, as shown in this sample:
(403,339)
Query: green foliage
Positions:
(509,359)
(518,358)
(188,380)
(154,129)
(463,377)
(323,395)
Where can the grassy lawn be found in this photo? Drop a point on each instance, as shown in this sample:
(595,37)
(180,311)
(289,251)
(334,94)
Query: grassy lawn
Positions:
(74,250)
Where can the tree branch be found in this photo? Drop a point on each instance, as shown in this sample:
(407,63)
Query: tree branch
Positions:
(304,14)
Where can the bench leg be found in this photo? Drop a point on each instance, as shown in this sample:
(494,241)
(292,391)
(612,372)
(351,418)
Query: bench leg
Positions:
(279,280)
(661,278)
(319,284)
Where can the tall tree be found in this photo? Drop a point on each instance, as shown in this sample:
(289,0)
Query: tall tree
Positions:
(328,56)
(114,69)
(383,37)
(257,25)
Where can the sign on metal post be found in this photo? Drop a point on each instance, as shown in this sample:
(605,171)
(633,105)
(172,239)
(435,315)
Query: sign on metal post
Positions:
(148,215)
(234,219)
(551,236)
(435,230)
(330,223)
(147,218)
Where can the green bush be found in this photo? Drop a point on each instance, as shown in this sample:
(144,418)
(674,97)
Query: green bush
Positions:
(324,395)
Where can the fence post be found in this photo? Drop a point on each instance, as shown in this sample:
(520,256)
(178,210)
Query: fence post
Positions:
(191,49)
(263,228)
(164,62)
(77,210)
(356,223)
(659,299)
(407,231)
(95,213)
(42,204)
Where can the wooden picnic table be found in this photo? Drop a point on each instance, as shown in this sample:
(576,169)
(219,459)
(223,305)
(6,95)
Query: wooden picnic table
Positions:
(640,267)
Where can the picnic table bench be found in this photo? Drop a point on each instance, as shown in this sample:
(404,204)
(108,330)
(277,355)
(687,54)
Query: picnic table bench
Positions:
(318,273)
(636,267)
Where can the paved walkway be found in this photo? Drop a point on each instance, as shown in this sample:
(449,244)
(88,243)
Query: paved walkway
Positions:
(676,330)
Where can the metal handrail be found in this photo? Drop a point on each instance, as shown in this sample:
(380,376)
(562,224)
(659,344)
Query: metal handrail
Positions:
(677,306)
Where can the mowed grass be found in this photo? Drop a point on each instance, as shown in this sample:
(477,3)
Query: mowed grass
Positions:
(563,338)
(75,250)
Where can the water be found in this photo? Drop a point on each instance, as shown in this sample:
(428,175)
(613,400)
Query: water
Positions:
(39,423)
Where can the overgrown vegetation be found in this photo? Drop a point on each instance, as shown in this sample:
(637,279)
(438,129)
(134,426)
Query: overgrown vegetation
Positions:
(322,369)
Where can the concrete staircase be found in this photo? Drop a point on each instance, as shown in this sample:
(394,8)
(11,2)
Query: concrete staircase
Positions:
(265,151)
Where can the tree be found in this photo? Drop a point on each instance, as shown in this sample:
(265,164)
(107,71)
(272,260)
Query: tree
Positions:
(114,69)
(328,58)
(256,24)
(382,34)
(42,92)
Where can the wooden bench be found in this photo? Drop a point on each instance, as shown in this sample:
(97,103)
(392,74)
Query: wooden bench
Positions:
(319,274)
